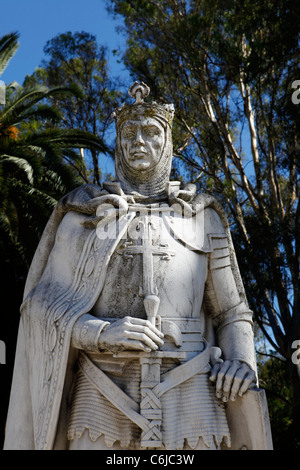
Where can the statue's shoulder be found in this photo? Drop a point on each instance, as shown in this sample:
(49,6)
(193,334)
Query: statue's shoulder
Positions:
(209,202)
(79,197)
(215,215)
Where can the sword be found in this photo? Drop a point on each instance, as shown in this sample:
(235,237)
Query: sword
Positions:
(150,405)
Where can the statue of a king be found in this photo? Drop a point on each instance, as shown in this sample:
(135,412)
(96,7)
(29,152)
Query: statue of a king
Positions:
(135,332)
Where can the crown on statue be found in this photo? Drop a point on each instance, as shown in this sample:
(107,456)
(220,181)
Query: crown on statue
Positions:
(139,91)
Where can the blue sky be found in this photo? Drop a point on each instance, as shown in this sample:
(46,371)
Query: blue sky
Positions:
(37,21)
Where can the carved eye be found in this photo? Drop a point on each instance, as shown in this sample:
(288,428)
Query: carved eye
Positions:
(151,131)
(129,132)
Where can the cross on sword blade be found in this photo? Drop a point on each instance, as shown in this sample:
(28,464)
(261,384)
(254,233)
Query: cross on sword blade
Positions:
(147,249)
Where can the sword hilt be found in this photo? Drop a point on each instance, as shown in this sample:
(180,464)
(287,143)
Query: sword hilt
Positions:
(151,304)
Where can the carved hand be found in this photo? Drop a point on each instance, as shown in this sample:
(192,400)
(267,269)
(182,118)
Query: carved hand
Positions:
(232,378)
(131,333)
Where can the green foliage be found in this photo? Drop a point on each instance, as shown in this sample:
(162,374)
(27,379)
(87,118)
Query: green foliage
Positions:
(8,47)
(37,160)
(76,60)
(228,67)
(274,378)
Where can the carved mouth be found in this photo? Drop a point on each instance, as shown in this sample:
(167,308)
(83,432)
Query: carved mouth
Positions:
(138,155)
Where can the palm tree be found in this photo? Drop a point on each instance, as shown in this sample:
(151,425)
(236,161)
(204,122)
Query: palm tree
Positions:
(37,161)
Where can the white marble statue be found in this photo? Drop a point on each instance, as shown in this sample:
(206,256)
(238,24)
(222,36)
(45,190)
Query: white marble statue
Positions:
(135,331)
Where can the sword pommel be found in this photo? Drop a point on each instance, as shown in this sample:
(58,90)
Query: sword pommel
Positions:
(151,304)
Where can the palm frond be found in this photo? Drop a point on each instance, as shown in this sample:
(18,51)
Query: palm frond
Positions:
(40,113)
(21,163)
(22,103)
(53,182)
(69,138)
(32,154)
(27,191)
(8,47)
(21,100)
(49,200)
(5,224)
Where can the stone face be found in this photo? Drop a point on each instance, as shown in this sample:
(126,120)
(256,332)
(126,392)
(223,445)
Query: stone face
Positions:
(136,286)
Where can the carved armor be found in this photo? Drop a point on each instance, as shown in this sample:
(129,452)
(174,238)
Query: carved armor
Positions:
(157,261)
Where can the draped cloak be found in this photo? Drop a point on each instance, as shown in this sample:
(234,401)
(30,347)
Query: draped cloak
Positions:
(64,282)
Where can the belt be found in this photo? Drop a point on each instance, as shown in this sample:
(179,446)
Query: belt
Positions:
(169,380)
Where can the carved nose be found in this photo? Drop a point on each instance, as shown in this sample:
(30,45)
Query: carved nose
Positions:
(139,137)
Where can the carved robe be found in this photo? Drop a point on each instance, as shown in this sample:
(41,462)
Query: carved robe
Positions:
(69,282)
